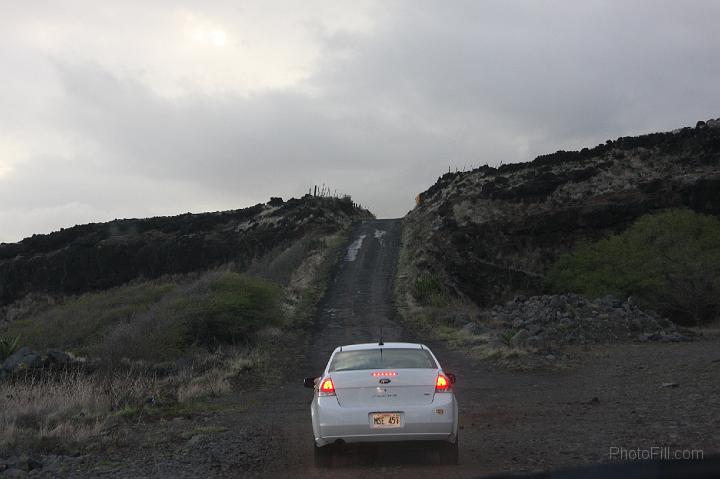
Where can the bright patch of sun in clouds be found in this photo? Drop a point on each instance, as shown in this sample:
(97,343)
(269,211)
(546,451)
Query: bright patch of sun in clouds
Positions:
(216,38)
(11,153)
(186,49)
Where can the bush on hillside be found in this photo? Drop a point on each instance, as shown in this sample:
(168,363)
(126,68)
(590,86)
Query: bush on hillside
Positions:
(156,320)
(428,290)
(669,261)
(229,309)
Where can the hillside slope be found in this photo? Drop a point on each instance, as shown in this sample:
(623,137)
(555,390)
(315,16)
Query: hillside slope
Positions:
(491,233)
(101,255)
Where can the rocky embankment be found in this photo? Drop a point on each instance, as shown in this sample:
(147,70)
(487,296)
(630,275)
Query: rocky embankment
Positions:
(551,321)
(101,255)
(491,233)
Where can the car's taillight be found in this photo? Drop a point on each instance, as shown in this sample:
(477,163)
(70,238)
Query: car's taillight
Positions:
(378,374)
(442,384)
(327,388)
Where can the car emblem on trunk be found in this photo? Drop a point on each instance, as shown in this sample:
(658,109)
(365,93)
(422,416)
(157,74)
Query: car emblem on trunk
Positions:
(384,381)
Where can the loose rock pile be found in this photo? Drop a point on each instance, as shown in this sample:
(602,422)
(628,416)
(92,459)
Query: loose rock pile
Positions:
(554,320)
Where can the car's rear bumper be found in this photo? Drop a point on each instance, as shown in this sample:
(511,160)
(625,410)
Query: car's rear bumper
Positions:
(436,421)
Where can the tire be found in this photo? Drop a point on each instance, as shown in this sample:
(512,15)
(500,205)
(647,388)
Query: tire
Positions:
(450,452)
(323,456)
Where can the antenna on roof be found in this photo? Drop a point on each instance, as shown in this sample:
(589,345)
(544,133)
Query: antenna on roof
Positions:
(380,342)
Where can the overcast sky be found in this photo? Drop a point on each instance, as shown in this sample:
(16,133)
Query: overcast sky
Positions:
(120,109)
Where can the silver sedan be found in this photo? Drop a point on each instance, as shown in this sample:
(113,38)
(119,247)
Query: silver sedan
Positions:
(380,392)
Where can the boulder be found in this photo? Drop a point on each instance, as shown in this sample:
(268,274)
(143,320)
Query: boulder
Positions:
(672,337)
(635,324)
(57,358)
(610,301)
(472,328)
(23,358)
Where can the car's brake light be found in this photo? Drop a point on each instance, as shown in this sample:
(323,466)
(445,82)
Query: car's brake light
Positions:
(384,373)
(327,388)
(442,384)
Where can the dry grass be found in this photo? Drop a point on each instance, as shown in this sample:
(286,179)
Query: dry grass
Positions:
(212,383)
(70,408)
(211,375)
(711,330)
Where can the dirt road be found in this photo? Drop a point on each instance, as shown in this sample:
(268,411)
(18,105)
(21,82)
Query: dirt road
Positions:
(510,422)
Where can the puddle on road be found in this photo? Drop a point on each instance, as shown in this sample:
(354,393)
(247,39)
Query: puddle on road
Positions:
(379,236)
(354,248)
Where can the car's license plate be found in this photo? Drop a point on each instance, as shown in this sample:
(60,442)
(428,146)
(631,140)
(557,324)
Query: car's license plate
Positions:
(385,419)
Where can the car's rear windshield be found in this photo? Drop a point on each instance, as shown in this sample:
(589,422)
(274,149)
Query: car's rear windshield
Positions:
(382,359)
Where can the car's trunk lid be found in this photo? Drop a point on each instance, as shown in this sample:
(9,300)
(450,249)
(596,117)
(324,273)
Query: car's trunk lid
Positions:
(406,387)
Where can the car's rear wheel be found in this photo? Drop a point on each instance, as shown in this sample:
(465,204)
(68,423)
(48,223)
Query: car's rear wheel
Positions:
(450,452)
(323,456)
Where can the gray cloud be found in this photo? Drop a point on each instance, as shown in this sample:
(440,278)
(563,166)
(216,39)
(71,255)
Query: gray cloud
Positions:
(381,113)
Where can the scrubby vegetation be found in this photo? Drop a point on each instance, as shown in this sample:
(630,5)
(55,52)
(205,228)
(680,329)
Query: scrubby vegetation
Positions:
(229,308)
(669,261)
(78,324)
(428,290)
(144,349)
(62,410)
(156,320)
(8,346)
(156,347)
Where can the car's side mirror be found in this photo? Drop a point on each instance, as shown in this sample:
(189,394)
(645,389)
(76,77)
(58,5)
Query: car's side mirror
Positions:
(309,382)
(451,377)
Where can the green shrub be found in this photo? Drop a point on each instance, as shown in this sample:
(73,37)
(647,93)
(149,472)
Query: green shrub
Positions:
(428,290)
(7,347)
(229,309)
(670,261)
(507,335)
